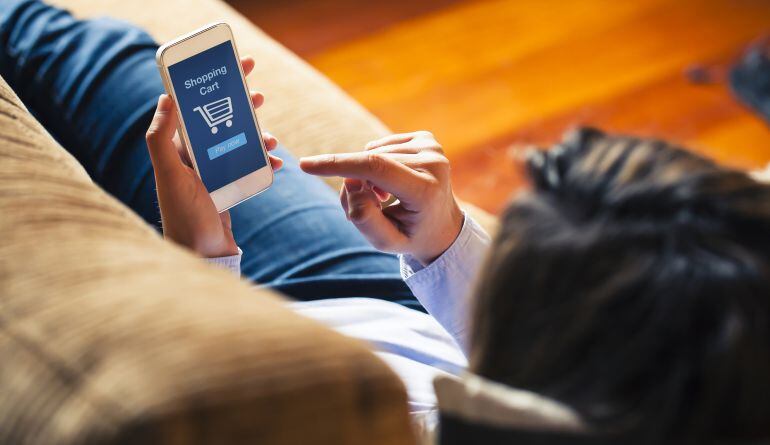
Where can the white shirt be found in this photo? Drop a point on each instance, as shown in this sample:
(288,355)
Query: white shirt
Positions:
(415,345)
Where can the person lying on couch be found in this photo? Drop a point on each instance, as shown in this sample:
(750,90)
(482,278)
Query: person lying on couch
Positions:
(630,282)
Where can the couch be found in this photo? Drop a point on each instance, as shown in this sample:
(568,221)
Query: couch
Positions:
(108,334)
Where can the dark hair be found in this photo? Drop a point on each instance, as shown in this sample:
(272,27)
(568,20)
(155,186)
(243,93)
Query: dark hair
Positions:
(632,284)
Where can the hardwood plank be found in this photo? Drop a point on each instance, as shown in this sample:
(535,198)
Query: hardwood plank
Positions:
(705,118)
(460,43)
(493,94)
(309,27)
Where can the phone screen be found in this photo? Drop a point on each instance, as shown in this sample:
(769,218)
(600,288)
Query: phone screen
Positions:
(217,115)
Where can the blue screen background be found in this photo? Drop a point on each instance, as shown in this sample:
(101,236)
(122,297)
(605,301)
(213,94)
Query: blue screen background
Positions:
(238,149)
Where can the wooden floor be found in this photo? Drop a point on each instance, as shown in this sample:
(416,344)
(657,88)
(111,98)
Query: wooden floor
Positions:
(490,77)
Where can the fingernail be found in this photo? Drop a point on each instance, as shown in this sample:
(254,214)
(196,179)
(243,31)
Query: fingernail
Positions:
(163,102)
(314,162)
(314,158)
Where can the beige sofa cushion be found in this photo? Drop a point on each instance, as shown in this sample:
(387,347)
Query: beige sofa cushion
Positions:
(307,112)
(108,334)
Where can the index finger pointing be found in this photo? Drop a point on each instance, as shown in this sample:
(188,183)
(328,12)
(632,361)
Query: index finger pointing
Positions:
(377,168)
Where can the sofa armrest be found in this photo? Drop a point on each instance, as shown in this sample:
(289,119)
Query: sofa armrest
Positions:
(108,334)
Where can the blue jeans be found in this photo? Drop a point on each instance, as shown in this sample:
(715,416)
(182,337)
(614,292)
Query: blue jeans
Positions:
(94,85)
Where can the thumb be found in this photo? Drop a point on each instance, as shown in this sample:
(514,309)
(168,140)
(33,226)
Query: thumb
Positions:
(365,212)
(160,135)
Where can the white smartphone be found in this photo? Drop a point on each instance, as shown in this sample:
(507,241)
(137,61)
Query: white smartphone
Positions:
(202,72)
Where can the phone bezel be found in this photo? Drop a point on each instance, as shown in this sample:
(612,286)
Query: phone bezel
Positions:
(190,45)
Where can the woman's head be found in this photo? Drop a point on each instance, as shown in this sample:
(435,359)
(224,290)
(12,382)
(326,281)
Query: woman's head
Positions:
(633,284)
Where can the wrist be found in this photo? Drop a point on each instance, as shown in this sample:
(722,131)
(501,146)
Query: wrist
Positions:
(229,249)
(208,249)
(444,238)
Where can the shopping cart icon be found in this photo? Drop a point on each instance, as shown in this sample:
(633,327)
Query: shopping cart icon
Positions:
(214,113)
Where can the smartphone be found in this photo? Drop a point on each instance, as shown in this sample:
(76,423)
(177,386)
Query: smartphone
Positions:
(217,123)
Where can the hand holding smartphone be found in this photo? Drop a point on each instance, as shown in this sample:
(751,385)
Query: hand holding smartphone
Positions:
(218,126)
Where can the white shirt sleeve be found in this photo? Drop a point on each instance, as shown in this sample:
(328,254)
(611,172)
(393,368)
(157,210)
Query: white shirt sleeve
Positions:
(231,263)
(443,287)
